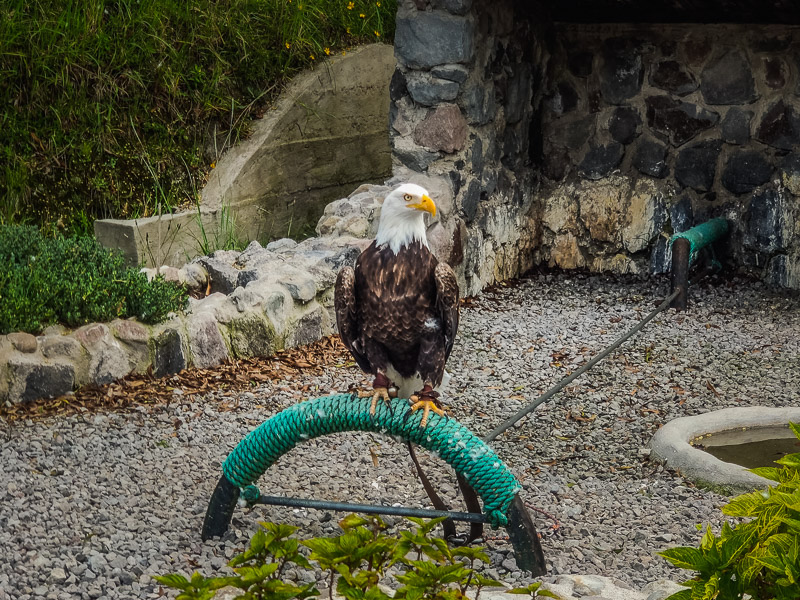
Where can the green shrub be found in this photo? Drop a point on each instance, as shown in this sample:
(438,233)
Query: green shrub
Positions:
(73,281)
(18,243)
(117,108)
(759,558)
(355,562)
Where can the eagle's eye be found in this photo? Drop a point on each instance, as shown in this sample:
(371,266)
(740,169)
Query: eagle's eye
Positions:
(407,197)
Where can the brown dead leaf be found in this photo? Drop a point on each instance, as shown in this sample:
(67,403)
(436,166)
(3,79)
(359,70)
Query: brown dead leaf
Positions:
(711,387)
(580,418)
(299,364)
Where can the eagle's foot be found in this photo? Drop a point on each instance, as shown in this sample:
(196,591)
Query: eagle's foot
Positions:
(380,390)
(376,394)
(428,400)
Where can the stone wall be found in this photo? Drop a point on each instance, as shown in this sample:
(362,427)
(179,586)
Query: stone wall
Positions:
(648,130)
(462,95)
(259,301)
(587,146)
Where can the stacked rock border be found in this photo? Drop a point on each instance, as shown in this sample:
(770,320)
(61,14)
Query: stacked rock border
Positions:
(252,303)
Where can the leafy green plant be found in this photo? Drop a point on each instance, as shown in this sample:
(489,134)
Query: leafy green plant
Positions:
(355,561)
(759,558)
(73,281)
(534,591)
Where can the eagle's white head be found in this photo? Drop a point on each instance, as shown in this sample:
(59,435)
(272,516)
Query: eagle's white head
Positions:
(403,217)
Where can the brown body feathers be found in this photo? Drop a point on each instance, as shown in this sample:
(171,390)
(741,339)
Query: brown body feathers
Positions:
(398,310)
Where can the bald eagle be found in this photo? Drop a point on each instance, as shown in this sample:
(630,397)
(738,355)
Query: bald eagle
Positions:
(397,310)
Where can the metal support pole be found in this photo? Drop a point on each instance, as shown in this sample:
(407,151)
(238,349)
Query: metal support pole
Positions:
(371,509)
(220,509)
(223,502)
(523,536)
(681,249)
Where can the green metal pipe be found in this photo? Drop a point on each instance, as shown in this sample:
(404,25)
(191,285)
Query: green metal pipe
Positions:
(685,246)
(372,509)
(702,235)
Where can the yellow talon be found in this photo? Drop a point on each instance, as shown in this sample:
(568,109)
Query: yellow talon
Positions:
(427,406)
(378,392)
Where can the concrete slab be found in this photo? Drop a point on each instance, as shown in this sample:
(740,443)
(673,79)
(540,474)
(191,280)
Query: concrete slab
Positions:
(170,239)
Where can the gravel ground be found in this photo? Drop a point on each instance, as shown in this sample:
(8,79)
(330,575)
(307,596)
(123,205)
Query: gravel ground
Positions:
(92,505)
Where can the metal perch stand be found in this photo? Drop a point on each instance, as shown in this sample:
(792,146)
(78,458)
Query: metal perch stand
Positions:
(685,246)
(471,458)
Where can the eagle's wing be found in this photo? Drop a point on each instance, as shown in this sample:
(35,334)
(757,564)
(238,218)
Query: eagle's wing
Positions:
(447,303)
(344,302)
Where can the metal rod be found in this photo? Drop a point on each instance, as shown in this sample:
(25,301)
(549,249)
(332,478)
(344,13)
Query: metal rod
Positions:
(567,380)
(679,277)
(401,511)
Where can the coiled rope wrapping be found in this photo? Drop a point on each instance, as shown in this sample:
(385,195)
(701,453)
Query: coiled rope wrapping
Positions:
(453,442)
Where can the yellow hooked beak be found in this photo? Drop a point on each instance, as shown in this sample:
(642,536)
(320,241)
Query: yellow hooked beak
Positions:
(425,204)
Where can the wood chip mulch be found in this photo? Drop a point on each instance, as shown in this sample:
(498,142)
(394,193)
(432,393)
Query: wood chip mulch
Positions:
(147,390)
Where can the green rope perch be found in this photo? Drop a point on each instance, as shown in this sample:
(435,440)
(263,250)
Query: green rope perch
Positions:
(453,442)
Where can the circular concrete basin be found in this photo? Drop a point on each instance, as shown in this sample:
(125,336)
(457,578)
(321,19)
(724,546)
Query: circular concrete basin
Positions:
(672,445)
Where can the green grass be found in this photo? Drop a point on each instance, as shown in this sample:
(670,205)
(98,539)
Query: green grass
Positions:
(119,108)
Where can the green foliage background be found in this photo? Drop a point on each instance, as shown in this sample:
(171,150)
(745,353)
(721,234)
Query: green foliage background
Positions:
(117,108)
